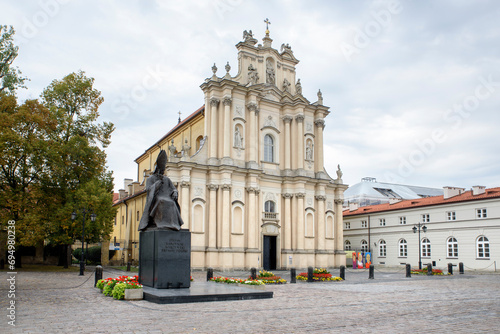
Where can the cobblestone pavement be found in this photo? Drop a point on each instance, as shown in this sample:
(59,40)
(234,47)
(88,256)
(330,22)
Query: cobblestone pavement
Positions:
(391,303)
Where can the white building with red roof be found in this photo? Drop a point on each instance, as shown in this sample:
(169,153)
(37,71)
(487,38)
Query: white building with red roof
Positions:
(459,226)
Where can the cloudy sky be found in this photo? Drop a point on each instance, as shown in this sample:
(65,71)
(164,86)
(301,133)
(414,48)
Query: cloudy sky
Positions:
(413,86)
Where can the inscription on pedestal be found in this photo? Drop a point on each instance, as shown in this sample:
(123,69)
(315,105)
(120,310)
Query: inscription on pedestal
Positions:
(165,259)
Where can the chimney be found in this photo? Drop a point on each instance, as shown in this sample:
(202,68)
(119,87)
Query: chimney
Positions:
(449,192)
(136,187)
(478,190)
(122,193)
(353,206)
(127,182)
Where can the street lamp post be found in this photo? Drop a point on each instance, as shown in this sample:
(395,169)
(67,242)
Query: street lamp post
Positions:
(92,218)
(419,226)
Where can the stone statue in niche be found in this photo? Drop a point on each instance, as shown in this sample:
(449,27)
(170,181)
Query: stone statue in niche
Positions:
(172,149)
(270,76)
(253,76)
(286,86)
(162,211)
(238,140)
(339,172)
(309,150)
(298,88)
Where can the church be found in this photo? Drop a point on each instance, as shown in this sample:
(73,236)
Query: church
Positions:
(249,169)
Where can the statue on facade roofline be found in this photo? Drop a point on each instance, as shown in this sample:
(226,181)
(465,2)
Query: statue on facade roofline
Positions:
(162,211)
(339,173)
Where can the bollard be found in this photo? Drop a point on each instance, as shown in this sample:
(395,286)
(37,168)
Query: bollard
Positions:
(293,275)
(253,273)
(342,272)
(461,268)
(371,272)
(408,270)
(450,269)
(429,269)
(98,274)
(210,274)
(310,274)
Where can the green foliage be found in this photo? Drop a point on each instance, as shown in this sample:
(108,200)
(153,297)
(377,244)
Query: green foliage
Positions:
(100,284)
(10,76)
(119,291)
(93,254)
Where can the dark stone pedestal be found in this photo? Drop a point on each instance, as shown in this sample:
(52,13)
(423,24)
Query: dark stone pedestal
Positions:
(165,259)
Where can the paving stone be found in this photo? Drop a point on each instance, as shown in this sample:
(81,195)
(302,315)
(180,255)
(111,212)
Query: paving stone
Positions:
(68,303)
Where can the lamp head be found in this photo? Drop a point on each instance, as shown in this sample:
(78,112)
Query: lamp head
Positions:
(424,228)
(93,217)
(73,215)
(414,229)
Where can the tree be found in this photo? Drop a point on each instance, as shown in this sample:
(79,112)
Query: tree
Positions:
(24,144)
(78,177)
(10,76)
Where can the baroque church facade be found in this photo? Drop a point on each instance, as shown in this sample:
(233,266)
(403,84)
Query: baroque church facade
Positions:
(249,168)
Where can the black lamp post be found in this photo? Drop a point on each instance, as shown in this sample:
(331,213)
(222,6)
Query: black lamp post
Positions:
(415,228)
(92,218)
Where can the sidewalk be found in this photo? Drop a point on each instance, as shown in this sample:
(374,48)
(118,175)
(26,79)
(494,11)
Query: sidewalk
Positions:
(68,303)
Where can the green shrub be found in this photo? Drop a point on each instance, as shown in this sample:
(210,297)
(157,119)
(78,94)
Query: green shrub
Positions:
(119,291)
(93,254)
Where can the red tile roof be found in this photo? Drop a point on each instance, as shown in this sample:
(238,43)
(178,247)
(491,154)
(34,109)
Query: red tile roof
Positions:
(422,202)
(187,119)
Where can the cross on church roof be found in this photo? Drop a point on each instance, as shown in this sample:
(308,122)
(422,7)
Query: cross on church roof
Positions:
(179,116)
(267,22)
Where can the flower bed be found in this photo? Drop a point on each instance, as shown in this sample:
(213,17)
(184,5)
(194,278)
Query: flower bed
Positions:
(320,274)
(229,280)
(116,286)
(437,272)
(268,277)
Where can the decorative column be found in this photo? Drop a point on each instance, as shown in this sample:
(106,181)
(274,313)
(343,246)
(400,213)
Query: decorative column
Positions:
(287,222)
(227,127)
(319,162)
(226,214)
(214,103)
(252,141)
(287,120)
(185,203)
(300,141)
(212,216)
(300,220)
(339,233)
(321,222)
(252,218)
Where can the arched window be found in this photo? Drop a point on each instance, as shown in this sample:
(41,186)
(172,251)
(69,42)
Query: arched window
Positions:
(426,247)
(403,248)
(269,206)
(483,247)
(347,245)
(364,246)
(452,245)
(268,148)
(382,248)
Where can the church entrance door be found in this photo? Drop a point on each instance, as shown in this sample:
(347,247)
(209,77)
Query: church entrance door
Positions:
(269,255)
